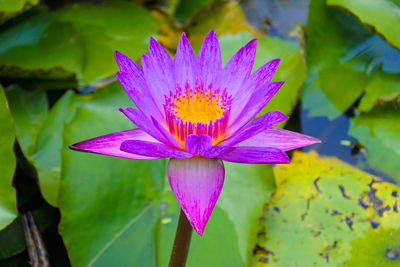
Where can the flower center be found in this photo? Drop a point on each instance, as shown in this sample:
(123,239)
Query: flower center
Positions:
(198,112)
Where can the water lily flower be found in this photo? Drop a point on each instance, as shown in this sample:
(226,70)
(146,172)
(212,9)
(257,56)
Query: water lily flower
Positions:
(198,113)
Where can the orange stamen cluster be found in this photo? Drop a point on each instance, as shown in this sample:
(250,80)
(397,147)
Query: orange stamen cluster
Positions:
(198,112)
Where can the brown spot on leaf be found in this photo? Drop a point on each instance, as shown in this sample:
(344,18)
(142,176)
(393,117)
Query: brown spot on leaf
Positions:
(316,184)
(343,191)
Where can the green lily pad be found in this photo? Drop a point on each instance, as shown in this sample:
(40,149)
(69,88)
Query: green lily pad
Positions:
(326,212)
(29,110)
(342,59)
(382,89)
(39,133)
(11,8)
(8,205)
(76,41)
(378,131)
(47,155)
(381,16)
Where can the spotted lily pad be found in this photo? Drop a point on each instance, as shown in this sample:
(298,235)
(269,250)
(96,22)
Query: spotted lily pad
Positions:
(326,212)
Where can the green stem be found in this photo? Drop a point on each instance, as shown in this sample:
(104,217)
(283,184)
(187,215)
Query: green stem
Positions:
(182,242)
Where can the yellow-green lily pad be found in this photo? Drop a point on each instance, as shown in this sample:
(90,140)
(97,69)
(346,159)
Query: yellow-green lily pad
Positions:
(328,213)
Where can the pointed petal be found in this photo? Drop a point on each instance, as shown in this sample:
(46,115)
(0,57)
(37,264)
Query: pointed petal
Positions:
(279,138)
(155,81)
(137,90)
(238,69)
(126,64)
(209,59)
(152,149)
(254,127)
(186,69)
(256,155)
(264,73)
(110,144)
(196,183)
(144,123)
(256,103)
(162,68)
(260,77)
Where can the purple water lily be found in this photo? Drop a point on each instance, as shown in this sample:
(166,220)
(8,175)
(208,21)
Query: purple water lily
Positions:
(199,114)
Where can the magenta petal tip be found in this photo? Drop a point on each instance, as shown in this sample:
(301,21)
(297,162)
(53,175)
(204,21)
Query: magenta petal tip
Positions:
(196,183)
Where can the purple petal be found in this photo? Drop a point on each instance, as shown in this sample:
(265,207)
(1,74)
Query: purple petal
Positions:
(260,77)
(157,83)
(196,184)
(144,123)
(257,102)
(171,140)
(254,127)
(202,146)
(256,155)
(209,59)
(109,144)
(163,73)
(216,151)
(152,149)
(137,90)
(126,64)
(185,64)
(238,69)
(279,138)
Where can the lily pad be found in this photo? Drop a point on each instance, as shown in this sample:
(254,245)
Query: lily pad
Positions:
(76,41)
(8,205)
(382,89)
(29,110)
(327,212)
(342,57)
(39,133)
(378,131)
(47,155)
(381,16)
(11,8)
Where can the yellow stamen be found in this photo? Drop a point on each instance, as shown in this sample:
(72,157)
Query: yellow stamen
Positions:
(201,107)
